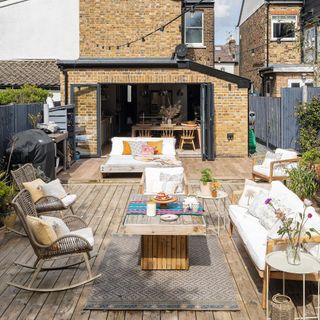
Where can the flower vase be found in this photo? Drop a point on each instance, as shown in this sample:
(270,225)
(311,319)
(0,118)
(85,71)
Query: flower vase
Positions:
(293,254)
(214,193)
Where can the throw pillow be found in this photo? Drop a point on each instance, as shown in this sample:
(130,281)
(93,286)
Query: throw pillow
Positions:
(251,189)
(41,230)
(58,225)
(257,202)
(157,145)
(54,189)
(136,147)
(270,156)
(34,187)
(126,148)
(267,217)
(167,178)
(147,150)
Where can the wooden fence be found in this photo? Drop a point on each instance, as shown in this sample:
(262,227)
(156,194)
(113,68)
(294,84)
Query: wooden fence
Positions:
(13,119)
(275,123)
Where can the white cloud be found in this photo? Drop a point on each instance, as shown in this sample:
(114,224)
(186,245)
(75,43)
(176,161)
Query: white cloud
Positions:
(222,8)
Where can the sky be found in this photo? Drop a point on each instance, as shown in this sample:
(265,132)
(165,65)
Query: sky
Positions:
(226,18)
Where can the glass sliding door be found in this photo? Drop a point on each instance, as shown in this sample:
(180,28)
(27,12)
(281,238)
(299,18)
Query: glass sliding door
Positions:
(86,100)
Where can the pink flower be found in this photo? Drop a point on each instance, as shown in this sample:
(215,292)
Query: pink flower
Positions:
(309,215)
(268,200)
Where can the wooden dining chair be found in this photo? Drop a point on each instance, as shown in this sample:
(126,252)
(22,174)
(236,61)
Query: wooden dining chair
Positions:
(144,133)
(187,137)
(167,133)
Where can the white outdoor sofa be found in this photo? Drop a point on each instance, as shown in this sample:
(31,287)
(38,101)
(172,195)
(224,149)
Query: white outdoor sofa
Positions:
(119,163)
(259,241)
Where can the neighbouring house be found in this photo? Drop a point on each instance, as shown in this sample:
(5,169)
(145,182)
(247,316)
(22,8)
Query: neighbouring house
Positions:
(41,73)
(137,55)
(33,35)
(227,56)
(270,45)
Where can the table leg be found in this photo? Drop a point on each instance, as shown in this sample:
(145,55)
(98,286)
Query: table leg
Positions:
(304,296)
(224,212)
(267,293)
(283,284)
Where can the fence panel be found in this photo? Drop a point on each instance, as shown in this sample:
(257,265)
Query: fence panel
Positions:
(312,92)
(13,119)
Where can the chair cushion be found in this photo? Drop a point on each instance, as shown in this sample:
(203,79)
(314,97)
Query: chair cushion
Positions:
(69,200)
(42,231)
(58,225)
(251,189)
(54,188)
(34,187)
(286,154)
(278,171)
(172,182)
(253,235)
(270,156)
(85,233)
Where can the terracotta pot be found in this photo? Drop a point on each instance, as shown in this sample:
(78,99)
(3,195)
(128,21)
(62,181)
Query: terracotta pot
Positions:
(9,220)
(205,189)
(214,193)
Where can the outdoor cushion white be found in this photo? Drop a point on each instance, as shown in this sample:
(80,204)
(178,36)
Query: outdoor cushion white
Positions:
(69,200)
(251,189)
(168,147)
(252,233)
(270,157)
(85,233)
(153,183)
(58,225)
(278,171)
(54,188)
(286,154)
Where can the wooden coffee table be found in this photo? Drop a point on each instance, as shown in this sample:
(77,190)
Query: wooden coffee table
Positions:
(164,245)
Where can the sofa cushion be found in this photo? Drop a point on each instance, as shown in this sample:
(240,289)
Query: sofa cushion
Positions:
(251,189)
(126,150)
(157,145)
(253,235)
(34,187)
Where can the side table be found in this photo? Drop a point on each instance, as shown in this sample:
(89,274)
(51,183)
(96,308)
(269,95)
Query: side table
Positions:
(222,197)
(309,264)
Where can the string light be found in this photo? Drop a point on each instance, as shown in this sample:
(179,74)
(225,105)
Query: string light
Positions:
(161,29)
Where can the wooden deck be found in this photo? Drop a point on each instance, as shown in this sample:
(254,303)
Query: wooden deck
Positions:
(88,170)
(103,207)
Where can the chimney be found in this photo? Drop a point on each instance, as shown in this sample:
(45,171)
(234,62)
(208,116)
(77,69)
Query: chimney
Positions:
(232,46)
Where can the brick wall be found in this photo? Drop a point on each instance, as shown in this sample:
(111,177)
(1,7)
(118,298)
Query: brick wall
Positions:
(253,35)
(205,55)
(230,102)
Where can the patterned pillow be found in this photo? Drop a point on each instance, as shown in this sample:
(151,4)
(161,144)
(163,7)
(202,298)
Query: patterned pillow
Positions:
(147,150)
(136,147)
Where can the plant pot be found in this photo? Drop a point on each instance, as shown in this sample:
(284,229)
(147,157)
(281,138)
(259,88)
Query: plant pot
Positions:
(9,219)
(214,193)
(205,189)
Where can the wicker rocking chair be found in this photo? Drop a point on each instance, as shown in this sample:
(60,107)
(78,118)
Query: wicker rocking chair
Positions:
(66,246)
(26,173)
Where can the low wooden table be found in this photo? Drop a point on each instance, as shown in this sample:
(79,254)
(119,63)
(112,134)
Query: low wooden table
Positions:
(164,245)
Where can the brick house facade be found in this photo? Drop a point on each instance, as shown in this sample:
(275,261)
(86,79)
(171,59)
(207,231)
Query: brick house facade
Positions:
(270,55)
(110,57)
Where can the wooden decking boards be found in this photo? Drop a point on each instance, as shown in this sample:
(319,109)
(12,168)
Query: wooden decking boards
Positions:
(103,207)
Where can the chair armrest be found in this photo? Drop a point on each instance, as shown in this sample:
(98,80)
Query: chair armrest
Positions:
(235,196)
(256,158)
(70,244)
(273,163)
(74,222)
(48,199)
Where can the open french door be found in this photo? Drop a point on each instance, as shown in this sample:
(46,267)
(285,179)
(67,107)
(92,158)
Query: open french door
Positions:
(86,99)
(207,121)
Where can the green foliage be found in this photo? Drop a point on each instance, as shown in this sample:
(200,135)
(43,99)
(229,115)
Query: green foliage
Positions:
(206,176)
(7,193)
(308,115)
(302,181)
(26,94)
(310,158)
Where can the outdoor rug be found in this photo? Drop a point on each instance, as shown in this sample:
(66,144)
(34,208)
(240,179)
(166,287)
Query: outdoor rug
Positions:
(207,285)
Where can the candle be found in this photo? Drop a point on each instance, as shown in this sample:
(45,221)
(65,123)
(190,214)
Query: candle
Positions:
(151,208)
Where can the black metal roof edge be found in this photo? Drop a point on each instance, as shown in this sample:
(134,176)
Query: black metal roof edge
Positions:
(241,10)
(155,63)
(240,81)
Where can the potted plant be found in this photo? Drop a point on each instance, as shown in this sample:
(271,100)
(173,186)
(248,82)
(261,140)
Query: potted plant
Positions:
(208,184)
(311,159)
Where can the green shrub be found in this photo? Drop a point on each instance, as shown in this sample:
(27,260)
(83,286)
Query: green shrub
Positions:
(302,181)
(308,116)
(310,158)
(26,94)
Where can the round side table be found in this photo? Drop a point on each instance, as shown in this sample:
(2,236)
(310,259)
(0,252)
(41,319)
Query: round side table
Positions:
(309,264)
(221,197)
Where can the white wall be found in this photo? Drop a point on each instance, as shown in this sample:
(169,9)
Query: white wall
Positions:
(249,7)
(39,29)
(228,67)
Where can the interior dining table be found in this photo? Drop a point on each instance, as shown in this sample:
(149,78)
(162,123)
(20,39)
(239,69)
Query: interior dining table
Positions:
(136,128)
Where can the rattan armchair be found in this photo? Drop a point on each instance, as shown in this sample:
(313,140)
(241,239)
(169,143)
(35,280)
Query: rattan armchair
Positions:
(68,245)
(26,173)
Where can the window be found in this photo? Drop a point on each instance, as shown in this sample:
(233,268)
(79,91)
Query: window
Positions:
(283,27)
(297,83)
(223,69)
(309,45)
(193,31)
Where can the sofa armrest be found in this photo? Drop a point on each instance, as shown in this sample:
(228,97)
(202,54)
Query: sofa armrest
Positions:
(236,196)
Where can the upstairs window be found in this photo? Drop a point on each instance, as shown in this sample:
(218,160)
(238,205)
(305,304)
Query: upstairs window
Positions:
(193,33)
(283,27)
